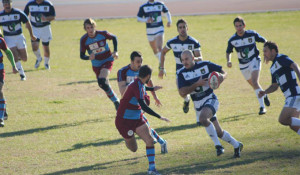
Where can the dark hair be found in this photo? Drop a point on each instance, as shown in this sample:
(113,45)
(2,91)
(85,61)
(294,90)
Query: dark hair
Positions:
(135,54)
(271,45)
(181,21)
(144,71)
(6,1)
(239,19)
(89,21)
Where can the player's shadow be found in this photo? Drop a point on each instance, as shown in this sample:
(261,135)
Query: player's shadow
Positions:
(84,82)
(99,166)
(36,130)
(236,117)
(163,130)
(247,158)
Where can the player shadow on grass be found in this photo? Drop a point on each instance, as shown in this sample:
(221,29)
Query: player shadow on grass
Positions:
(163,130)
(84,82)
(36,130)
(236,117)
(226,163)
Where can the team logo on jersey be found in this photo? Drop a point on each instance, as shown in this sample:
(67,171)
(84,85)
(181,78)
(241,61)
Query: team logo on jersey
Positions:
(159,7)
(190,47)
(202,71)
(101,43)
(16,17)
(12,27)
(244,53)
(250,40)
(38,18)
(45,8)
(130,133)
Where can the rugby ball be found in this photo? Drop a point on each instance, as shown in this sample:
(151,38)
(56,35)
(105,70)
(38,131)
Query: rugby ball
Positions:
(213,80)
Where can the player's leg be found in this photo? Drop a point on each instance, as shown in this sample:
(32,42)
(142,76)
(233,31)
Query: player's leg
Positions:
(144,133)
(152,42)
(289,114)
(21,45)
(36,50)
(296,128)
(131,144)
(46,54)
(159,44)
(186,101)
(2,100)
(224,135)
(103,83)
(19,66)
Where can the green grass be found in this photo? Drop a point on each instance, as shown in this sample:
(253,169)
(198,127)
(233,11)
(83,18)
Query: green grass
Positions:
(60,122)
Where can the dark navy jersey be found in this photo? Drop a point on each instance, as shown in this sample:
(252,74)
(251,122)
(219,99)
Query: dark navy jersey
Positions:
(11,22)
(187,77)
(178,46)
(38,10)
(245,46)
(153,10)
(284,75)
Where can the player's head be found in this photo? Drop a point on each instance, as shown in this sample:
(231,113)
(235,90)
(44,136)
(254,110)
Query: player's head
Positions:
(39,1)
(182,27)
(145,73)
(7,5)
(239,25)
(187,59)
(136,60)
(89,26)
(270,51)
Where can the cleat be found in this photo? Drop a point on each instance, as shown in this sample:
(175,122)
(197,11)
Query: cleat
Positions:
(186,107)
(47,66)
(153,172)
(37,63)
(164,148)
(262,110)
(1,123)
(220,150)
(238,150)
(23,77)
(116,103)
(5,115)
(266,101)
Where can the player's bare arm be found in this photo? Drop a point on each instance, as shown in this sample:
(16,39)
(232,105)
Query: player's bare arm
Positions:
(47,18)
(295,67)
(155,88)
(222,76)
(122,87)
(228,57)
(269,90)
(162,63)
(198,55)
(188,89)
(28,26)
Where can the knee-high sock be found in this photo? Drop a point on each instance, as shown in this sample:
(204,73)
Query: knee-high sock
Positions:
(111,95)
(211,131)
(150,151)
(158,138)
(228,138)
(20,68)
(260,100)
(187,98)
(38,55)
(2,108)
(158,56)
(47,59)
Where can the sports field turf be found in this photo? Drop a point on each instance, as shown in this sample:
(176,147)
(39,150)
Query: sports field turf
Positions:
(61,122)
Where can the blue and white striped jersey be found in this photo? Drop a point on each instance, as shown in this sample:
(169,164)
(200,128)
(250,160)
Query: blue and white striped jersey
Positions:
(37,10)
(245,46)
(187,77)
(178,46)
(284,75)
(153,10)
(11,22)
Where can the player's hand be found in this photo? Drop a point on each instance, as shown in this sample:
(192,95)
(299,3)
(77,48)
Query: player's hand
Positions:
(92,56)
(165,119)
(157,102)
(168,24)
(33,38)
(149,20)
(44,18)
(221,78)
(115,55)
(261,94)
(229,64)
(202,82)
(161,73)
(14,70)
(157,88)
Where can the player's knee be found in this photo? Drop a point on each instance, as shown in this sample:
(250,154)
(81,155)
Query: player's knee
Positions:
(149,141)
(133,149)
(204,121)
(284,121)
(102,84)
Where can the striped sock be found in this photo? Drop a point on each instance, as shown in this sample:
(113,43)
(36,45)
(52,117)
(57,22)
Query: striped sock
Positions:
(150,151)
(111,95)
(2,108)
(158,138)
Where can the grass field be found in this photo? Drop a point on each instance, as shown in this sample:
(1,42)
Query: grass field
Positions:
(60,122)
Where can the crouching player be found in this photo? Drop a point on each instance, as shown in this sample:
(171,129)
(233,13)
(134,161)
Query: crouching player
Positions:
(192,79)
(284,71)
(10,56)
(130,120)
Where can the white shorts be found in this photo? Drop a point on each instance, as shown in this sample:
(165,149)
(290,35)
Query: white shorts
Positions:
(210,101)
(292,102)
(18,41)
(153,37)
(255,64)
(43,33)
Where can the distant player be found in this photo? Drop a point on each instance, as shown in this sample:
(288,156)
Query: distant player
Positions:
(284,73)
(130,120)
(127,75)
(179,43)
(95,43)
(150,13)
(244,42)
(10,56)
(42,12)
(192,79)
(11,20)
